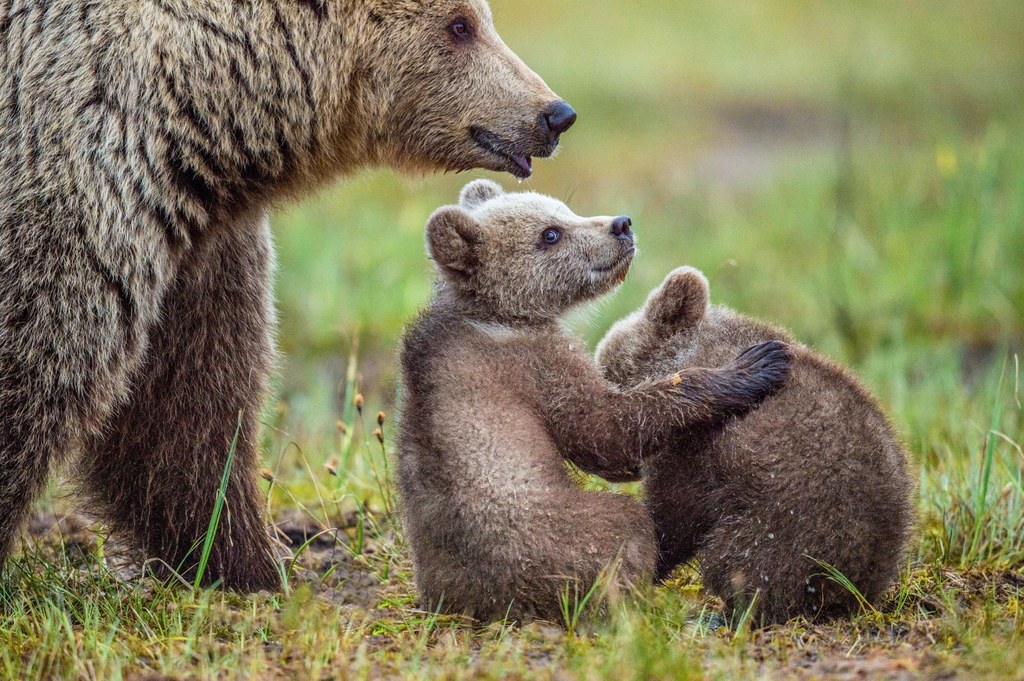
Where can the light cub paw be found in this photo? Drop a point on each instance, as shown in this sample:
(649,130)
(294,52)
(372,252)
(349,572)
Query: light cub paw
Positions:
(756,374)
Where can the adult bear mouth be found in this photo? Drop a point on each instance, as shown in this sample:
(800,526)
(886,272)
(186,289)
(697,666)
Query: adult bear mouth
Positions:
(514,161)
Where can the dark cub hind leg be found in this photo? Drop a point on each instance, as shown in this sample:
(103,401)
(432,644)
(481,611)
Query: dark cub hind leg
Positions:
(155,477)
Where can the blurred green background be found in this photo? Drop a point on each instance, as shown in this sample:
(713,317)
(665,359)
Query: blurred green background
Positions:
(851,170)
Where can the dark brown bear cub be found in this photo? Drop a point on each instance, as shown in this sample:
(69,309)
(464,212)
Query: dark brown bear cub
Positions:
(814,477)
(496,392)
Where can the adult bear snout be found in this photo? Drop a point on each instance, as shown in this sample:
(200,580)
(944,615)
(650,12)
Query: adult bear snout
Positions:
(557,118)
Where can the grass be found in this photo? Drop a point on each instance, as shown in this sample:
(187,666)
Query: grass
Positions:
(218,508)
(853,171)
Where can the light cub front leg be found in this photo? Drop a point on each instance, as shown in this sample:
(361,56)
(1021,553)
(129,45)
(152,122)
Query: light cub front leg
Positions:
(608,431)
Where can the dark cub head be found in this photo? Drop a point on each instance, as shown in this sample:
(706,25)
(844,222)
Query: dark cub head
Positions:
(638,346)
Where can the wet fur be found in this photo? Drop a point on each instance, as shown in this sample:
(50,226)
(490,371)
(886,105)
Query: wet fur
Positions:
(141,144)
(817,471)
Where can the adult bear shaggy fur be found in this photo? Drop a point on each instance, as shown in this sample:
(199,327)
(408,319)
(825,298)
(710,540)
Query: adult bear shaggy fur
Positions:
(140,146)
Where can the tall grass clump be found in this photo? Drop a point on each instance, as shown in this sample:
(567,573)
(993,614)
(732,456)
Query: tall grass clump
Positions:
(973,496)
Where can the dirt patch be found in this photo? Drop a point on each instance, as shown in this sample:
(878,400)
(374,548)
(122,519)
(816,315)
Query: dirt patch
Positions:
(872,666)
(72,534)
(325,559)
(337,568)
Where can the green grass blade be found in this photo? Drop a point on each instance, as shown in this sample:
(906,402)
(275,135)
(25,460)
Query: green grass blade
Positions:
(981,502)
(218,507)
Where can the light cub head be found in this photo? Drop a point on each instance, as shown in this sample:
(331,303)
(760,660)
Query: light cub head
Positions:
(525,256)
(637,346)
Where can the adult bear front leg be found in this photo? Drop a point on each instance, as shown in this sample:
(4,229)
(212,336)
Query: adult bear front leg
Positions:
(156,476)
(74,309)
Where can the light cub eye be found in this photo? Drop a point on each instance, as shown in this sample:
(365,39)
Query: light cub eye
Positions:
(551,236)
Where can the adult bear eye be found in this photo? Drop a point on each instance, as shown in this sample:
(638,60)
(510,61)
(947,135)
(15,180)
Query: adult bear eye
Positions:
(460,29)
(551,236)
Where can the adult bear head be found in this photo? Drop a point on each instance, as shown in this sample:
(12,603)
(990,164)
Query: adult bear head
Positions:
(254,100)
(444,92)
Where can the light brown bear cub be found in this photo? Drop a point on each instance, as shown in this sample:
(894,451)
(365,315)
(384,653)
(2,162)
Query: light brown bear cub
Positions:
(496,392)
(816,473)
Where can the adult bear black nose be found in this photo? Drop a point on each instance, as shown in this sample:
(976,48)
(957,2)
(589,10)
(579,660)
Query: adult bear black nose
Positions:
(559,117)
(621,227)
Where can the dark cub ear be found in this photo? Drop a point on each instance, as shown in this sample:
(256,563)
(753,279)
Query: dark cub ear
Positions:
(478,192)
(681,300)
(452,236)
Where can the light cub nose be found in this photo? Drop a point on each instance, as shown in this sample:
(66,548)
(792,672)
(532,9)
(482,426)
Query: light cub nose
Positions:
(558,118)
(622,227)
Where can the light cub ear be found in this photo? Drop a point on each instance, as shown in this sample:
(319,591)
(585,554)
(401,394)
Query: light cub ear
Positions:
(681,301)
(452,237)
(479,192)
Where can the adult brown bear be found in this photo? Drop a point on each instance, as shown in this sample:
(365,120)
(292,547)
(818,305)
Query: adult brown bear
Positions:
(140,146)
